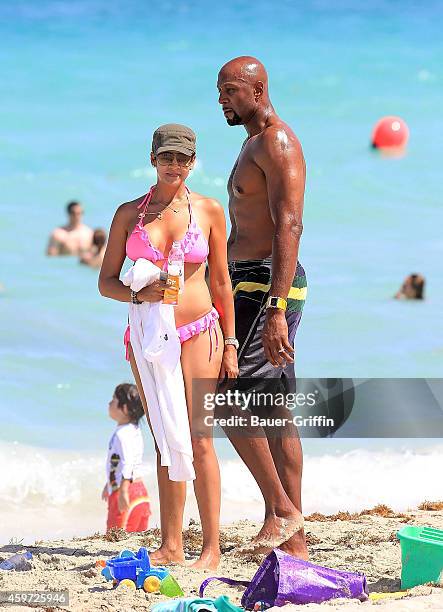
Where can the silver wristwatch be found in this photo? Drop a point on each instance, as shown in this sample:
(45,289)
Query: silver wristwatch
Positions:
(233,341)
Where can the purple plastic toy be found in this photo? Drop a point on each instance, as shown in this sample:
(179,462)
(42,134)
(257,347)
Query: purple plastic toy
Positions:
(282,579)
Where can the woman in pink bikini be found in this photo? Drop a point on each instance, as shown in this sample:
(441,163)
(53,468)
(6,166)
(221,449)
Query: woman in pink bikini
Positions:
(145,228)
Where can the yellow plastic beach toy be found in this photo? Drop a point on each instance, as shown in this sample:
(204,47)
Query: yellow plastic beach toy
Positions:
(128,584)
(395,595)
(151,584)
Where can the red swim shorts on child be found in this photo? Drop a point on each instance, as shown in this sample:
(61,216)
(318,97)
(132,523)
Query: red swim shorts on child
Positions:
(135,519)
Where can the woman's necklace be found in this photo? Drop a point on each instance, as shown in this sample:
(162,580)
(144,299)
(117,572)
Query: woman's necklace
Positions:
(159,214)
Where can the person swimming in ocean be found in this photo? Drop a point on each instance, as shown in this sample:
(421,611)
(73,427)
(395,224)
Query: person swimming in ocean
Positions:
(266,191)
(94,256)
(74,238)
(413,288)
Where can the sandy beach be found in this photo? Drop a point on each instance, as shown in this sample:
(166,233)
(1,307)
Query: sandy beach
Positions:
(364,542)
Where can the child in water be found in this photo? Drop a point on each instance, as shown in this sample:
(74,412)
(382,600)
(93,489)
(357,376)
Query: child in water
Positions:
(128,501)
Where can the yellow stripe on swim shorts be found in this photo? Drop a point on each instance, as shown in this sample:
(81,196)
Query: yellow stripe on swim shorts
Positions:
(135,502)
(295,293)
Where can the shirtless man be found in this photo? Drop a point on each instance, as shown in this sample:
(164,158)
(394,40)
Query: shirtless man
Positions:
(72,239)
(266,190)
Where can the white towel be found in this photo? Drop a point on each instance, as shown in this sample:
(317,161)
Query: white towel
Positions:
(160,339)
(156,347)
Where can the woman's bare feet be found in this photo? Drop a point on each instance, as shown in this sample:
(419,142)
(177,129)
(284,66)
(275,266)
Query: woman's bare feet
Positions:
(209,559)
(275,531)
(296,546)
(165,556)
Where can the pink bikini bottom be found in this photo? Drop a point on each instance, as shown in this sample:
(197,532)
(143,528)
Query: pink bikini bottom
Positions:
(185,332)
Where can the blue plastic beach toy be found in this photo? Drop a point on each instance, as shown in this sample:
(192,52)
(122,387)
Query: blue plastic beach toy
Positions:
(135,567)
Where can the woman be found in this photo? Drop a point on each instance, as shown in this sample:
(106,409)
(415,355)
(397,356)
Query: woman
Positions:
(94,256)
(146,228)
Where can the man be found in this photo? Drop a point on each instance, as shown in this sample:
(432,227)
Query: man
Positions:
(72,239)
(266,190)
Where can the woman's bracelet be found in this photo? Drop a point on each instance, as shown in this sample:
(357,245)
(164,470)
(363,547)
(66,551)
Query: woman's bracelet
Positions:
(134,298)
(231,340)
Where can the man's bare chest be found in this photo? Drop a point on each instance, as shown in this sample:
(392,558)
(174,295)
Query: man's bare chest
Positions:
(246,178)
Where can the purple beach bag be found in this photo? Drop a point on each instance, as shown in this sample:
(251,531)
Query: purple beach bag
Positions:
(282,578)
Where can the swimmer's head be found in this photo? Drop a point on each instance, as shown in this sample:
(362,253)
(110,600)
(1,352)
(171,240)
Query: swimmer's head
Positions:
(413,287)
(74,210)
(127,400)
(99,238)
(243,88)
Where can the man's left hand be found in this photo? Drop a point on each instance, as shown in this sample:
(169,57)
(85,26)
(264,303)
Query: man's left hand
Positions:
(278,351)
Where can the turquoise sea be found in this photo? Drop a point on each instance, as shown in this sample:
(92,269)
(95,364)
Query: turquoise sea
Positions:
(84,84)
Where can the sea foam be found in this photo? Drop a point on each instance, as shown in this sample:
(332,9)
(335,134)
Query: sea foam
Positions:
(51,493)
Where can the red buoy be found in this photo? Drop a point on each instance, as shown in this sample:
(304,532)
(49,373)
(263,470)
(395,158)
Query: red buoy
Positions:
(390,132)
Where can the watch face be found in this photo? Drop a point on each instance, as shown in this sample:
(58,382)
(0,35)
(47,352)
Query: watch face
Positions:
(273,302)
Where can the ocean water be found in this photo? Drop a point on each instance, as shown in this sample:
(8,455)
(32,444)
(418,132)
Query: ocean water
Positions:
(83,86)
(49,493)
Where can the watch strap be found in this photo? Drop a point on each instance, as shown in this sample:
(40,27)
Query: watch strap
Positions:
(274,301)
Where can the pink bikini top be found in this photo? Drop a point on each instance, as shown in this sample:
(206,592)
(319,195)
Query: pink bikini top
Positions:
(139,245)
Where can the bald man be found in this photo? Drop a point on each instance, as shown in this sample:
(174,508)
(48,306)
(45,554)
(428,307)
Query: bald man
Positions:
(266,190)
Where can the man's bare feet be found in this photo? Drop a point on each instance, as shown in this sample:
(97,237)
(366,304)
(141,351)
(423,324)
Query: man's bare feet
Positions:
(296,546)
(275,531)
(209,559)
(165,556)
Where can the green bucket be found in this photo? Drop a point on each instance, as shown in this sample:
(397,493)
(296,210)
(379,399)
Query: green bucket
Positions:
(170,587)
(421,555)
